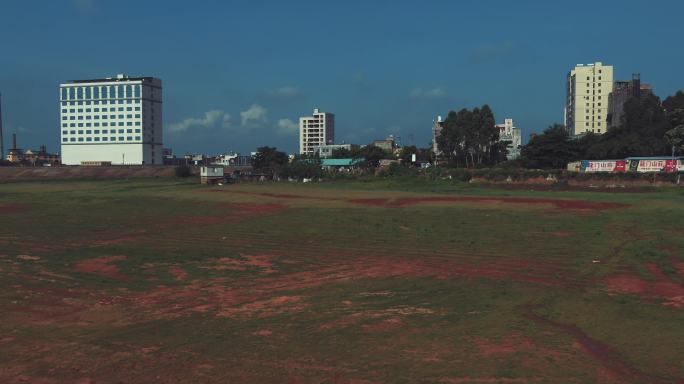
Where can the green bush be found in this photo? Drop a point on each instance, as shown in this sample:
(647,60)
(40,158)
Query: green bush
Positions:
(183,171)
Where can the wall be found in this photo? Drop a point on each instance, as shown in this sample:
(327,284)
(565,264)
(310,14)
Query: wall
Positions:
(105,173)
(73,154)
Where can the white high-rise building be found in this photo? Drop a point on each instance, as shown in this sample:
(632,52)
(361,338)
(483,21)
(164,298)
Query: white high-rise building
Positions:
(315,131)
(117,120)
(586,104)
(513,136)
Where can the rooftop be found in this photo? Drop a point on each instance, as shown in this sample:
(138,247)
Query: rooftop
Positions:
(339,162)
(119,77)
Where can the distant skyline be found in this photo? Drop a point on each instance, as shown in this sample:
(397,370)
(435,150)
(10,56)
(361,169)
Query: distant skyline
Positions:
(239,74)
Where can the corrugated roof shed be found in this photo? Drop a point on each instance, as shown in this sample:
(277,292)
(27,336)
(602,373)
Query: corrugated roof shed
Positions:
(340,162)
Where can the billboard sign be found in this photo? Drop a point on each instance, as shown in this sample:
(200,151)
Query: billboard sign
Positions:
(593,166)
(658,165)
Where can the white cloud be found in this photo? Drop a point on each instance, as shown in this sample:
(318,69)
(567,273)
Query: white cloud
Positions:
(284,92)
(496,51)
(256,113)
(211,119)
(287,127)
(434,93)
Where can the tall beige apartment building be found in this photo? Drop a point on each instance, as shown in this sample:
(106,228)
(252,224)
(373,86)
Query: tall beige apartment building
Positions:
(586,104)
(315,131)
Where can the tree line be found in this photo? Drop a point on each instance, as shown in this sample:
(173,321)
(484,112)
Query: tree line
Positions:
(648,127)
(470,138)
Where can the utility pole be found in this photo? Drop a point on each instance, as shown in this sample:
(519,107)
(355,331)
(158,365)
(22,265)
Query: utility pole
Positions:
(2,140)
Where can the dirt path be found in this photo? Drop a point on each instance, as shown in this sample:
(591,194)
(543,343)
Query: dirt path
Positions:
(612,361)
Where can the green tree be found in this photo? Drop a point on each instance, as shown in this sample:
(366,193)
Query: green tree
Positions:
(674,108)
(269,160)
(373,154)
(470,137)
(406,154)
(183,171)
(552,149)
(486,136)
(302,169)
(450,141)
(641,131)
(675,137)
(344,153)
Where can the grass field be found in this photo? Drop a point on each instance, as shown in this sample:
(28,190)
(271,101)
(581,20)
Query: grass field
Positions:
(358,282)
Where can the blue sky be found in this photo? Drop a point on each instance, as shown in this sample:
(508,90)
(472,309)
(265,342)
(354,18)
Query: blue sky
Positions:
(238,74)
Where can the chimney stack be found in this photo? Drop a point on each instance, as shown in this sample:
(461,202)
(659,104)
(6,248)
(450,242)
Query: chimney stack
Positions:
(14,141)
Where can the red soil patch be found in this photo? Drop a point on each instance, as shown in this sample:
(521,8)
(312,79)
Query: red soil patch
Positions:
(679,266)
(662,286)
(203,220)
(116,241)
(386,325)
(557,188)
(178,273)
(512,344)
(558,203)
(238,212)
(265,308)
(263,333)
(613,362)
(101,266)
(389,319)
(12,208)
(283,195)
(488,380)
(259,261)
(246,209)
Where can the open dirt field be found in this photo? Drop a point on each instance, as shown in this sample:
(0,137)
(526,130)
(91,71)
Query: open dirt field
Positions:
(172,282)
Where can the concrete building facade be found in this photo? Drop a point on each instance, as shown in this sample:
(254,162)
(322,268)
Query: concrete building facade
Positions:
(117,120)
(326,151)
(437,126)
(509,133)
(623,91)
(315,131)
(586,105)
(388,145)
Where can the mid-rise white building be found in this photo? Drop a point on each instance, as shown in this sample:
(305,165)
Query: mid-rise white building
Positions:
(315,131)
(586,105)
(326,151)
(513,136)
(117,120)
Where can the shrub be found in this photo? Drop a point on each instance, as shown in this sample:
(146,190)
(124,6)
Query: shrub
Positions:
(183,171)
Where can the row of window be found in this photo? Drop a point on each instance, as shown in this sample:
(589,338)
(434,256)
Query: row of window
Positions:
(88,110)
(97,131)
(104,124)
(98,102)
(96,139)
(98,117)
(101,92)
